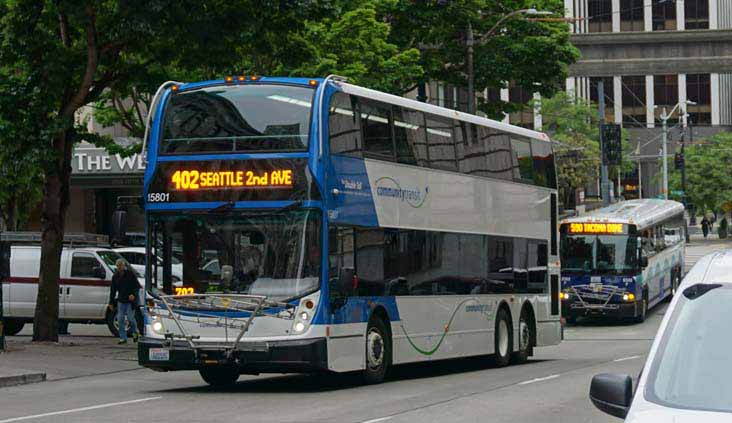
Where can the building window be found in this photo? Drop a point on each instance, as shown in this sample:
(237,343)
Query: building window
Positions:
(664,15)
(666,94)
(696,14)
(522,96)
(698,90)
(607,88)
(600,16)
(631,15)
(634,100)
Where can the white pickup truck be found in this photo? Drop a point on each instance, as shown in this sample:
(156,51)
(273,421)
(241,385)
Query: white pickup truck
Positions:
(86,276)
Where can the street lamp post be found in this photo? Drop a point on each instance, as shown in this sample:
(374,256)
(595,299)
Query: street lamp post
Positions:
(470,49)
(664,121)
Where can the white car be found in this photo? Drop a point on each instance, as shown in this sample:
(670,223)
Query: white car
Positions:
(136,257)
(688,374)
(84,286)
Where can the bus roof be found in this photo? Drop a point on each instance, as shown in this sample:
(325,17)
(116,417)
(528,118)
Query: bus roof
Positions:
(642,213)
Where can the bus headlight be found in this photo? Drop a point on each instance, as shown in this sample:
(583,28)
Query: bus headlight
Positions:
(304,316)
(299,327)
(564,295)
(629,297)
(157,327)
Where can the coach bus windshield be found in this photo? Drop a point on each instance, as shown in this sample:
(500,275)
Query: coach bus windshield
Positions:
(599,254)
(272,253)
(240,118)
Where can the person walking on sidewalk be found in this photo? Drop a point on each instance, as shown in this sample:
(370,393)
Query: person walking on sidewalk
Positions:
(705,226)
(125,287)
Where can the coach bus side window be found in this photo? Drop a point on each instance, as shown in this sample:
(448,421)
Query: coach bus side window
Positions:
(376,127)
(522,160)
(544,174)
(340,255)
(500,265)
(343,128)
(497,149)
(409,136)
(441,144)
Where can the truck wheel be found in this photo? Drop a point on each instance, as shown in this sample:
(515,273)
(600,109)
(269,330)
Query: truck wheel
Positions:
(111,318)
(13,326)
(219,376)
(503,335)
(378,351)
(526,336)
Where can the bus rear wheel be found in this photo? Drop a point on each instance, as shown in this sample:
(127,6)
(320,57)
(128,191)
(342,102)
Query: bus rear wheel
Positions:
(219,376)
(503,338)
(378,351)
(526,338)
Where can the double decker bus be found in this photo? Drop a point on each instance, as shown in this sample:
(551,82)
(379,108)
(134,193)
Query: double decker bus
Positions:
(621,260)
(322,226)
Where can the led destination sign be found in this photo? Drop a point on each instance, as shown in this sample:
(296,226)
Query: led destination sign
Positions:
(596,228)
(196,180)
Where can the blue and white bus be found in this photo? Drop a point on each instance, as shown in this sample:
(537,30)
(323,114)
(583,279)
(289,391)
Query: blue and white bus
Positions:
(323,226)
(621,260)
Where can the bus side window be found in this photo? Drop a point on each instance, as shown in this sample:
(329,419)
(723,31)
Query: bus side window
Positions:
(344,133)
(340,255)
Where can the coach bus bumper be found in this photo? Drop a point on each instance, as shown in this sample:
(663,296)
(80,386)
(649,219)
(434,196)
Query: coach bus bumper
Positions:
(626,310)
(296,356)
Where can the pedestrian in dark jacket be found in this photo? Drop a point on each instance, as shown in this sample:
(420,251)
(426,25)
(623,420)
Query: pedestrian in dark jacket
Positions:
(126,289)
(705,226)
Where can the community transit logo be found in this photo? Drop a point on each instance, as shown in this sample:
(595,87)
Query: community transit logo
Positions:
(390,188)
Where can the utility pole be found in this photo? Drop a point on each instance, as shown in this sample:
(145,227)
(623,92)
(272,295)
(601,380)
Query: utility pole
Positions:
(664,120)
(692,212)
(604,184)
(469,43)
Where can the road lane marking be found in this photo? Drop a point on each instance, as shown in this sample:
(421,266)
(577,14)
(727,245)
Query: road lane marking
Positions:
(380,419)
(632,357)
(526,382)
(78,410)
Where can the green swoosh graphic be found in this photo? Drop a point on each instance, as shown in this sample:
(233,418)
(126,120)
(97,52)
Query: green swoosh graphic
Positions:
(444,333)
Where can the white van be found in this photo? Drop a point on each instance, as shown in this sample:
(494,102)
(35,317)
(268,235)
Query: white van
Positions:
(84,285)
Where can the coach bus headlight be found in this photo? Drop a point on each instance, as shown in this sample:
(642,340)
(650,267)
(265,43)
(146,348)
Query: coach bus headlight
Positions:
(304,316)
(564,295)
(299,327)
(158,327)
(629,297)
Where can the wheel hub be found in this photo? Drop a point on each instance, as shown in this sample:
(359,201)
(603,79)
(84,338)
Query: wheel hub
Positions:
(503,338)
(375,349)
(525,335)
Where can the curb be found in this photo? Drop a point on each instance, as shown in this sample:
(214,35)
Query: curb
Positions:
(6,381)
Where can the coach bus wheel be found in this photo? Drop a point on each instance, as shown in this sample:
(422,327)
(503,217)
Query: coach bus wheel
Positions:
(526,336)
(219,376)
(675,282)
(503,338)
(378,351)
(644,310)
(13,327)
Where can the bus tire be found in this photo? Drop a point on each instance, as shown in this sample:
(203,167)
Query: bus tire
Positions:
(13,326)
(219,376)
(526,338)
(675,282)
(503,338)
(378,351)
(640,318)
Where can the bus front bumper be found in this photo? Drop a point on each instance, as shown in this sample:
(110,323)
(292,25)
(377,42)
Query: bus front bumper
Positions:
(296,356)
(574,309)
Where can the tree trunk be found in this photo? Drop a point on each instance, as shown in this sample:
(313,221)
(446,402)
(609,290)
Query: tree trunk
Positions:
(53,220)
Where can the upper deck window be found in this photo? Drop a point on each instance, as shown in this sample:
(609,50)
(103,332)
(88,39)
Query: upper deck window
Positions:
(249,118)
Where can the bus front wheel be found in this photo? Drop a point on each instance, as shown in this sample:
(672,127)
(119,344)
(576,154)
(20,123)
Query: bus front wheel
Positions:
(219,376)
(526,338)
(503,338)
(641,317)
(378,351)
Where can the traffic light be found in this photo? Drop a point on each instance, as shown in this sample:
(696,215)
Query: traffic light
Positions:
(612,148)
(679,162)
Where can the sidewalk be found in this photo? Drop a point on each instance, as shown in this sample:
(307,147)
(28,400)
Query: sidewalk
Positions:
(73,356)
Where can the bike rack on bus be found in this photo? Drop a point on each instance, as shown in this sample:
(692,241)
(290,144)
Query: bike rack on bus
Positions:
(606,293)
(193,307)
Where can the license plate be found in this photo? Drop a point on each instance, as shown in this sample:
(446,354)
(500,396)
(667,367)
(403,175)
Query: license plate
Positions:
(159,354)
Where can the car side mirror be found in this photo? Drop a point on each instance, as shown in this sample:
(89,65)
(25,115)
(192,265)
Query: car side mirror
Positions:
(99,273)
(345,281)
(612,393)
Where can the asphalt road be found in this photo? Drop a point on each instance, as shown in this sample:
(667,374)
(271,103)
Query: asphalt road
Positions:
(552,387)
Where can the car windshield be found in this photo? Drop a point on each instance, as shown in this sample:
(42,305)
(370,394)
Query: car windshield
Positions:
(238,118)
(110,259)
(599,254)
(692,367)
(272,253)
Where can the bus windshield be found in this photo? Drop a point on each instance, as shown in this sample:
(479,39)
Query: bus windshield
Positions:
(271,253)
(599,254)
(242,118)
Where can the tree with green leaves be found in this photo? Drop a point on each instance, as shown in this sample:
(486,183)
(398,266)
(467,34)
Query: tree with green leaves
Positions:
(708,182)
(532,53)
(573,124)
